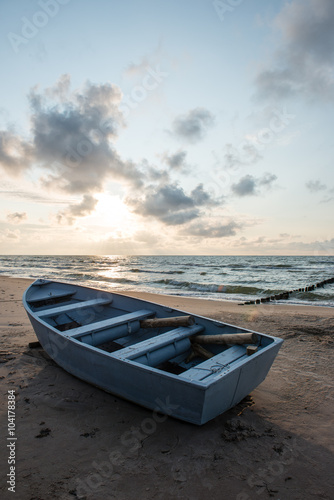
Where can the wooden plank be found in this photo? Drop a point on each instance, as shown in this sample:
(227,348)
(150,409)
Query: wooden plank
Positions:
(225,338)
(73,307)
(198,351)
(174,321)
(109,323)
(251,349)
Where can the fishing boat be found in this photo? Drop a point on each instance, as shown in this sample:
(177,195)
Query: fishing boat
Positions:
(186,366)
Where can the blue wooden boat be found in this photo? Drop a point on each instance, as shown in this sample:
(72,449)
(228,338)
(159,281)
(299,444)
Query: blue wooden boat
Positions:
(190,367)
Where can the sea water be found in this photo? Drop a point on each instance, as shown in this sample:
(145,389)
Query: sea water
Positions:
(236,278)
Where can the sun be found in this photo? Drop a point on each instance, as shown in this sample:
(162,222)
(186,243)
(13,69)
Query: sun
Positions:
(113,214)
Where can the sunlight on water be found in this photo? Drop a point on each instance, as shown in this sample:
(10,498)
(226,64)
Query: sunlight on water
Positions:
(216,277)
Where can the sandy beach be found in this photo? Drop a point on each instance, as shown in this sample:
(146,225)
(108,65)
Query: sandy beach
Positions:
(76,441)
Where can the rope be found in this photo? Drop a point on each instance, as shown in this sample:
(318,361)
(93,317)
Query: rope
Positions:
(212,369)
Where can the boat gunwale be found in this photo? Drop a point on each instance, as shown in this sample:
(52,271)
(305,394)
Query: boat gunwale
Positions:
(215,322)
(203,384)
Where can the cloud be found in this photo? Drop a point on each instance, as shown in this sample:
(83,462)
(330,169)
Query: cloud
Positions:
(200,197)
(135,70)
(267,180)
(143,236)
(176,218)
(152,173)
(213,230)
(72,133)
(12,235)
(85,207)
(304,64)
(17,217)
(315,186)
(194,125)
(170,204)
(249,185)
(30,196)
(325,247)
(245,187)
(329,197)
(176,161)
(73,140)
(71,146)
(245,154)
(16,155)
(60,89)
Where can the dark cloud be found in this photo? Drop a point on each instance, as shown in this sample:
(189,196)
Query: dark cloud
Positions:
(194,125)
(176,161)
(152,173)
(213,231)
(200,197)
(175,218)
(17,217)
(71,147)
(245,187)
(170,204)
(304,64)
(71,139)
(167,203)
(249,185)
(315,186)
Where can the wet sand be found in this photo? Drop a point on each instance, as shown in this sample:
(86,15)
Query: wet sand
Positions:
(76,441)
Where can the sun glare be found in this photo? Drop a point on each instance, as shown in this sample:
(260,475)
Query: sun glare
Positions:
(113,214)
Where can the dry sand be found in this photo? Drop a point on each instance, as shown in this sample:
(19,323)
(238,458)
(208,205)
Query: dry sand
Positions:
(76,441)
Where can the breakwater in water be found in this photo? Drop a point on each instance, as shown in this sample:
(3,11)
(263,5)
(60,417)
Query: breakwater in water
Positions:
(286,295)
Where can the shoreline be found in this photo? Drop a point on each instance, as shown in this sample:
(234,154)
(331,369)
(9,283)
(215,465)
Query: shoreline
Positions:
(77,441)
(151,296)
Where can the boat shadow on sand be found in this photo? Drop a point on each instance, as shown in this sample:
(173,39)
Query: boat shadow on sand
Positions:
(101,443)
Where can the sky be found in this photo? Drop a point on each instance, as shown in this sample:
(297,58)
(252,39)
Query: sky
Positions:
(156,127)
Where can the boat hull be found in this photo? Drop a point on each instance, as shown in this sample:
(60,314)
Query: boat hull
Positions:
(186,396)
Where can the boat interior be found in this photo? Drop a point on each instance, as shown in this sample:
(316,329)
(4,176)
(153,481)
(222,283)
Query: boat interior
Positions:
(114,324)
